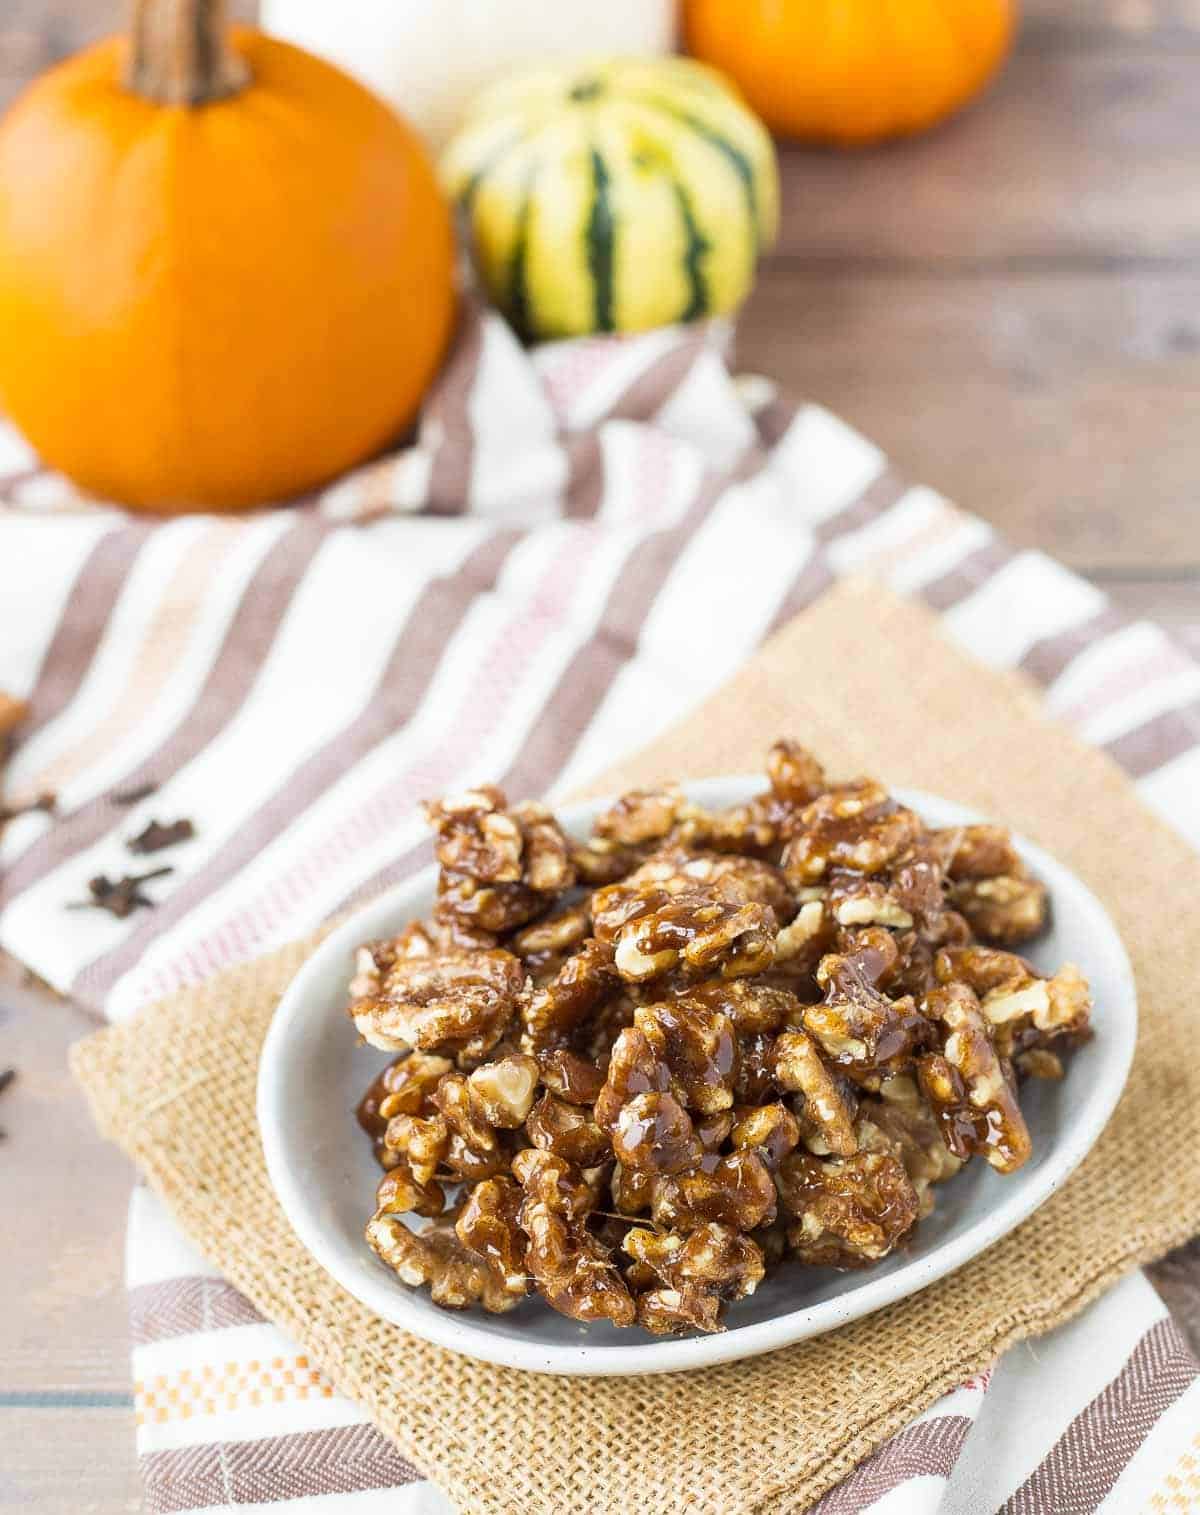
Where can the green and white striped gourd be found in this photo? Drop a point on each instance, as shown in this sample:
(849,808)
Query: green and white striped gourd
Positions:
(614,195)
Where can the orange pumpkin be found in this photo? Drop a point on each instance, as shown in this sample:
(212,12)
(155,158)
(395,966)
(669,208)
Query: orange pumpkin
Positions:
(226,269)
(857,71)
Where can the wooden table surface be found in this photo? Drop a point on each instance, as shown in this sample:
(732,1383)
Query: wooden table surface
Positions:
(1010,306)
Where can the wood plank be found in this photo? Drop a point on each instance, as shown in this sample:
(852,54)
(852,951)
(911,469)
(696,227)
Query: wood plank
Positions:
(1062,410)
(1076,152)
(1177,1279)
(1112,21)
(66,1411)
(64,1327)
(68,1462)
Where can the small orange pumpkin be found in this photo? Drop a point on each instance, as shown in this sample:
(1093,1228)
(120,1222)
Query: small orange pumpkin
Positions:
(226,269)
(857,71)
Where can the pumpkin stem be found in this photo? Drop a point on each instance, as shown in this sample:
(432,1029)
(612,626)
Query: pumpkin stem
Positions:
(180,53)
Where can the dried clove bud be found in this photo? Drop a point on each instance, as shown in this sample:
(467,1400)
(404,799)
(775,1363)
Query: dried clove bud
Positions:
(157,835)
(120,897)
(133,796)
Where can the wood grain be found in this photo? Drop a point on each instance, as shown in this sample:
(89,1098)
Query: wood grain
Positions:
(66,1395)
(1061,409)
(65,1196)
(64,1461)
(1079,155)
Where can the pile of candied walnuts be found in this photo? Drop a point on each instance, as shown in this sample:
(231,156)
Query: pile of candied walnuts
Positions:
(652,1063)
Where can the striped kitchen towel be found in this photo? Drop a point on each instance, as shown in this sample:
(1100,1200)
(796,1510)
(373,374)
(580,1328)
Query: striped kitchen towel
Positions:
(581,543)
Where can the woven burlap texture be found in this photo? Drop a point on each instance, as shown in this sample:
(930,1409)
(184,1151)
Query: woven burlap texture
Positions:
(873,685)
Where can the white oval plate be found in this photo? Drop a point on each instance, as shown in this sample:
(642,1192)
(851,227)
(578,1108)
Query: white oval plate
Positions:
(313,1073)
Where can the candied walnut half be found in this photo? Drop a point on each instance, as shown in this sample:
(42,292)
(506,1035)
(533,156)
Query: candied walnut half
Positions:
(917,883)
(697,1272)
(480,838)
(476,836)
(905,896)
(771,1130)
(847,1211)
(756,1083)
(1024,1011)
(761,825)
(854,826)
(908,1127)
(708,928)
(500,867)
(654,1134)
(1038,1063)
(572,1269)
(599,861)
(1003,909)
(403,1088)
(991,886)
(544,945)
(794,774)
(646,816)
(474,1149)
(399,1193)
(856,900)
(982,851)
(802,943)
(757,882)
(681,870)
(574,993)
(503,1091)
(468,911)
(981,968)
(858,1028)
(699,1048)
(736,1190)
(435,1257)
(406,1086)
(634,1067)
(752,829)
(420,1141)
(573,1078)
(489,1225)
(827,1108)
(546,864)
(1030,1015)
(632,1190)
(967,1086)
(749,1004)
(568,1131)
(453,1000)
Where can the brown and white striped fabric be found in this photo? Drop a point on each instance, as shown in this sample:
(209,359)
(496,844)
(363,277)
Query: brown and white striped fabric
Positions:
(579,544)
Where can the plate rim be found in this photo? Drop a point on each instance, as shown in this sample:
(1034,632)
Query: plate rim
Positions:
(467,1334)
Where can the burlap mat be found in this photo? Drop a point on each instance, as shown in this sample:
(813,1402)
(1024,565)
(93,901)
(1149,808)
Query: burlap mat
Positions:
(872,685)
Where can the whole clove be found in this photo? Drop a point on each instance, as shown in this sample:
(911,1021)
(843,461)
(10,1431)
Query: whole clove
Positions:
(134,795)
(120,897)
(156,836)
